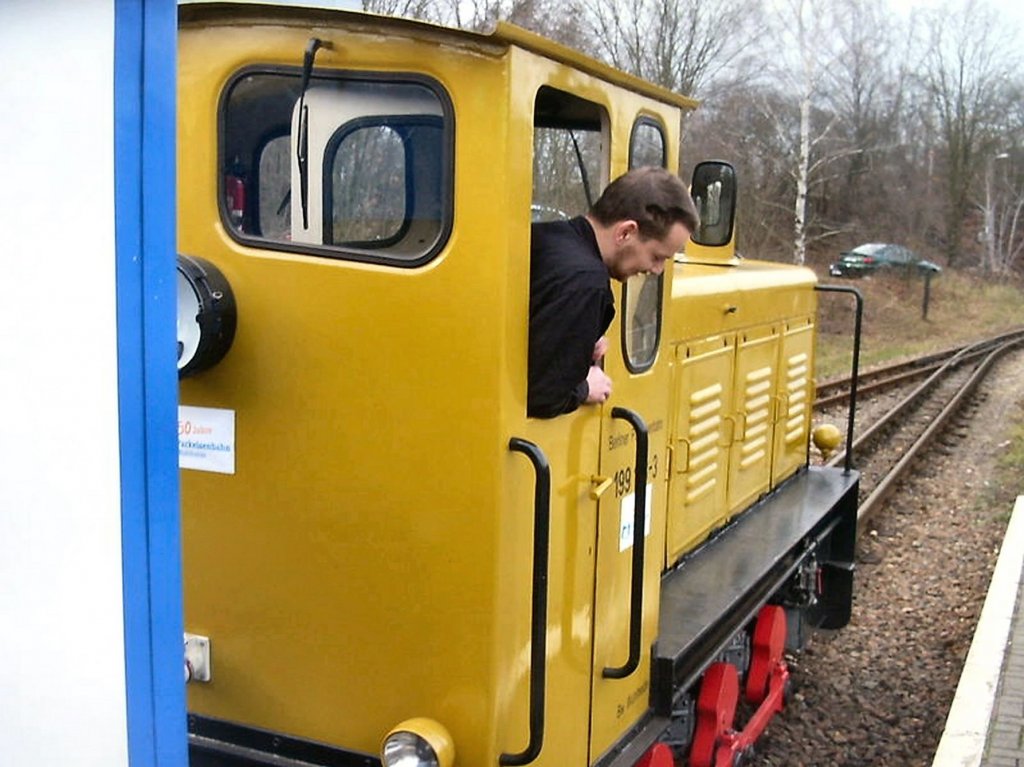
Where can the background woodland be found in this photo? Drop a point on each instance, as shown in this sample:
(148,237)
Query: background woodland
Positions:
(847,121)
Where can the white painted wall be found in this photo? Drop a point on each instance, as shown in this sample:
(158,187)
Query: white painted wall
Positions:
(62,679)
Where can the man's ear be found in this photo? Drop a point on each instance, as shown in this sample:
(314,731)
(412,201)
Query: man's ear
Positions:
(625,229)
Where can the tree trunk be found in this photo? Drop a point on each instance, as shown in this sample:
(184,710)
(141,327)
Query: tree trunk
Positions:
(803,169)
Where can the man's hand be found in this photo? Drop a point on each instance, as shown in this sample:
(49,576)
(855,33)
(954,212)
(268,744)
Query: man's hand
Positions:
(600,385)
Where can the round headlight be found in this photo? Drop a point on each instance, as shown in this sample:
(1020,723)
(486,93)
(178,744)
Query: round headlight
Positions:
(407,749)
(206,315)
(418,743)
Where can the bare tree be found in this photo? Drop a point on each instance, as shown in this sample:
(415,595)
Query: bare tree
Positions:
(1003,213)
(969,60)
(414,9)
(753,125)
(804,12)
(1002,192)
(867,92)
(557,20)
(803,28)
(484,14)
(834,130)
(679,44)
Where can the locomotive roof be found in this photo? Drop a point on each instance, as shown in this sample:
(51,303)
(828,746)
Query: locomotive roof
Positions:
(504,35)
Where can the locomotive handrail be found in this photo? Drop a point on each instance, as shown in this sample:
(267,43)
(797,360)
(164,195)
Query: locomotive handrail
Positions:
(636,591)
(539,615)
(854,367)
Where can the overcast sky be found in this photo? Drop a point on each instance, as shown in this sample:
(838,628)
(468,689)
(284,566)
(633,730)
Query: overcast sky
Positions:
(1013,10)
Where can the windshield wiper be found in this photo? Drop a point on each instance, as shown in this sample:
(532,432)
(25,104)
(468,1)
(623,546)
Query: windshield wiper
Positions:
(302,144)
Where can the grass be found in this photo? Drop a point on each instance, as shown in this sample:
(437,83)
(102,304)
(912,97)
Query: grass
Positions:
(962,307)
(1009,474)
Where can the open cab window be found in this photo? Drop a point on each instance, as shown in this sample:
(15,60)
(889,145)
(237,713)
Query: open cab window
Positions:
(570,154)
(358,167)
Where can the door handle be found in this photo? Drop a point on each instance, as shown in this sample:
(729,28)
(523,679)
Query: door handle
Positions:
(599,486)
(636,591)
(539,610)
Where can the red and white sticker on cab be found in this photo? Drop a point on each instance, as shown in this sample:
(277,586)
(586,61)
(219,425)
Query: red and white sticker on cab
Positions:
(206,439)
(627,511)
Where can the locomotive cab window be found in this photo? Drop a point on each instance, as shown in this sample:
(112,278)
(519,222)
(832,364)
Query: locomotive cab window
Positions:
(641,294)
(647,144)
(570,165)
(273,215)
(355,167)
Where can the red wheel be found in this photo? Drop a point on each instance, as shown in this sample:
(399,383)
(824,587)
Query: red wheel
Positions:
(716,709)
(659,756)
(769,644)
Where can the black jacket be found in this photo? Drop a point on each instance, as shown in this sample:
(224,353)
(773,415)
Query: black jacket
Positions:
(571,306)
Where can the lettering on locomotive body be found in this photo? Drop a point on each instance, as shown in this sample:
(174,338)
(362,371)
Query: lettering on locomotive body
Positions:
(616,441)
(632,698)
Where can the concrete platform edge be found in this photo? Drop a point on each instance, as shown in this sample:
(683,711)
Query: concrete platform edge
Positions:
(967,726)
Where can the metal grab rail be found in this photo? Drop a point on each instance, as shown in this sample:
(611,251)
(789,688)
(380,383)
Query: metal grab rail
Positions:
(855,367)
(539,615)
(636,592)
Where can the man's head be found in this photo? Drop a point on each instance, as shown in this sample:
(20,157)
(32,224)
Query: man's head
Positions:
(642,219)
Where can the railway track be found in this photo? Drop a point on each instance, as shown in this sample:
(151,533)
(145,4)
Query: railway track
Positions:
(886,447)
(898,374)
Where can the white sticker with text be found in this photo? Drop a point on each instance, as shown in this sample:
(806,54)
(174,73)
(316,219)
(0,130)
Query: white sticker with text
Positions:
(627,510)
(206,439)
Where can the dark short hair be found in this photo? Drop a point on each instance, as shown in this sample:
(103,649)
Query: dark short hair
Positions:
(653,197)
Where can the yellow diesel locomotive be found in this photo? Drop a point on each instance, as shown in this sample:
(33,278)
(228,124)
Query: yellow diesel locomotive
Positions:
(386,560)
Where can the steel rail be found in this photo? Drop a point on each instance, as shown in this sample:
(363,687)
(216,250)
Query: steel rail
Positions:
(879,385)
(888,376)
(835,387)
(884,487)
(964,354)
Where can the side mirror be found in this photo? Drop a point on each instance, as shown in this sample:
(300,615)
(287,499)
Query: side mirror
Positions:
(714,191)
